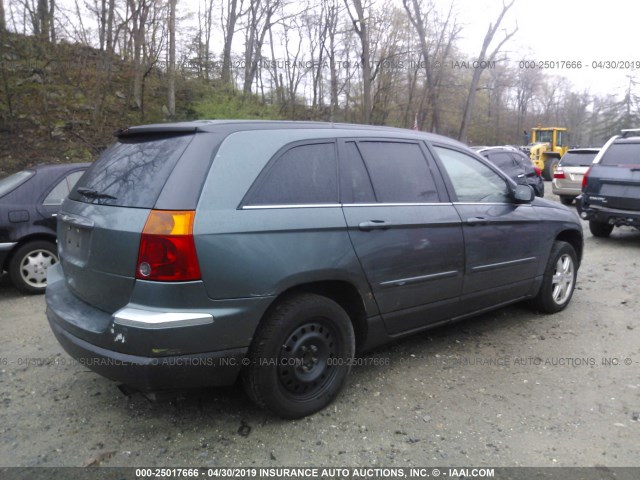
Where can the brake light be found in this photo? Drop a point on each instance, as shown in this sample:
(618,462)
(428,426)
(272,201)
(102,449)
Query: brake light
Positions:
(538,171)
(167,249)
(559,173)
(584,179)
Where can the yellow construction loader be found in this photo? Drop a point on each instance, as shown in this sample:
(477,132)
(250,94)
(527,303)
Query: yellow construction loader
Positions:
(546,147)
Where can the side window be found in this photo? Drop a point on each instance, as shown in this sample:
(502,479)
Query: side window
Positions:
(305,174)
(355,184)
(472,181)
(58,194)
(504,162)
(399,172)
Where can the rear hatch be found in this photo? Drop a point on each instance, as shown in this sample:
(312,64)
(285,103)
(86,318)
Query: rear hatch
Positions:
(614,182)
(100,225)
(574,164)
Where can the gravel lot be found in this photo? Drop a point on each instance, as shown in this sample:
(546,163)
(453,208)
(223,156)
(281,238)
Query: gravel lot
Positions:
(509,388)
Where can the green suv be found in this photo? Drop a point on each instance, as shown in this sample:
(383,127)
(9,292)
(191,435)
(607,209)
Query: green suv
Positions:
(194,254)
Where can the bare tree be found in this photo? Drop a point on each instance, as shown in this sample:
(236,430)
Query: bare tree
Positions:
(260,21)
(436,39)
(477,72)
(171,68)
(229,18)
(361,27)
(3,24)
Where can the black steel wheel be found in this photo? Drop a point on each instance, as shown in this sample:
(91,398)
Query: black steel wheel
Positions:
(300,356)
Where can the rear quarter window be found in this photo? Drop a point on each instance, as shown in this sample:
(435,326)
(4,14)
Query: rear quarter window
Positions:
(301,175)
(132,172)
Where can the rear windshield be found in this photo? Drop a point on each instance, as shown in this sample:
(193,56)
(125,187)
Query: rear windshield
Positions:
(622,154)
(578,159)
(132,172)
(11,182)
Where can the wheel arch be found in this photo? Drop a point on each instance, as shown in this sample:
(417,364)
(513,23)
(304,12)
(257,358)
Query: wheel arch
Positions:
(342,292)
(573,238)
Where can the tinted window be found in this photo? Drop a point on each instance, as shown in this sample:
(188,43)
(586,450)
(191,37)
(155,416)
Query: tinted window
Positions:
(505,162)
(472,180)
(132,172)
(9,183)
(399,172)
(622,154)
(303,175)
(355,184)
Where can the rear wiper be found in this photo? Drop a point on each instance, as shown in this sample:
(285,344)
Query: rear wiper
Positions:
(89,193)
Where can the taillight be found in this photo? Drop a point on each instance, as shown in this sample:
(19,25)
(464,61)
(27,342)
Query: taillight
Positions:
(559,173)
(538,171)
(167,250)
(584,179)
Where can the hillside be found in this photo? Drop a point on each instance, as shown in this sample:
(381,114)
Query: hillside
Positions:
(62,102)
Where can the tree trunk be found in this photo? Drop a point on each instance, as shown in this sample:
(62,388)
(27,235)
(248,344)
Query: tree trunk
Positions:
(229,29)
(171,70)
(362,29)
(477,72)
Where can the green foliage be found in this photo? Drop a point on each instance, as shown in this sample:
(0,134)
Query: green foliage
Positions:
(223,102)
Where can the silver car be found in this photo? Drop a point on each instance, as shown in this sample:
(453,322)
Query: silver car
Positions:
(568,175)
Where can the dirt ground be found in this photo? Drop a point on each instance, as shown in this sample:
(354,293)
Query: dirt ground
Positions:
(510,388)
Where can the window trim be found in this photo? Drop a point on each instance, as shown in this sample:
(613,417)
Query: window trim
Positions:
(44,196)
(264,173)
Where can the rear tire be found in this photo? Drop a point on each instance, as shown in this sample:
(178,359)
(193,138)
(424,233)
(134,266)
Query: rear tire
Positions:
(300,356)
(559,279)
(29,263)
(566,200)
(599,229)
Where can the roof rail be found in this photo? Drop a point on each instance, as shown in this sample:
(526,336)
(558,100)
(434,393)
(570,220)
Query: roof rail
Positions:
(628,132)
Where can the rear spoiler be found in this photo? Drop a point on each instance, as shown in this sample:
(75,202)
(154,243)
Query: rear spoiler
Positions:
(159,129)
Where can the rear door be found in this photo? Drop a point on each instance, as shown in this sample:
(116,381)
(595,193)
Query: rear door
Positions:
(502,246)
(406,234)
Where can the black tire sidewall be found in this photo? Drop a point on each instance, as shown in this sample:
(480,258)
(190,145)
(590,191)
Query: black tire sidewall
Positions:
(263,381)
(599,229)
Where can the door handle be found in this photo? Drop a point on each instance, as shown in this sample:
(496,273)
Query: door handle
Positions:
(373,225)
(476,221)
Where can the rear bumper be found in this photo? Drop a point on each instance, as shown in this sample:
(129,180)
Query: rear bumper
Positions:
(153,373)
(564,189)
(159,348)
(610,216)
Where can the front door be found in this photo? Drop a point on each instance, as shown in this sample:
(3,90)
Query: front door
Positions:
(502,238)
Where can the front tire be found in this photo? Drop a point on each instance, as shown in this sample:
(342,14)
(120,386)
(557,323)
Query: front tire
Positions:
(559,279)
(599,229)
(29,263)
(300,356)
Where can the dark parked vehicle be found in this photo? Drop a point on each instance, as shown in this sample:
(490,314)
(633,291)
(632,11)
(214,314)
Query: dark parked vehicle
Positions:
(568,174)
(516,165)
(29,202)
(611,187)
(192,254)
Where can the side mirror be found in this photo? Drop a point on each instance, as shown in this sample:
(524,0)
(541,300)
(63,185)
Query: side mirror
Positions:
(523,194)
